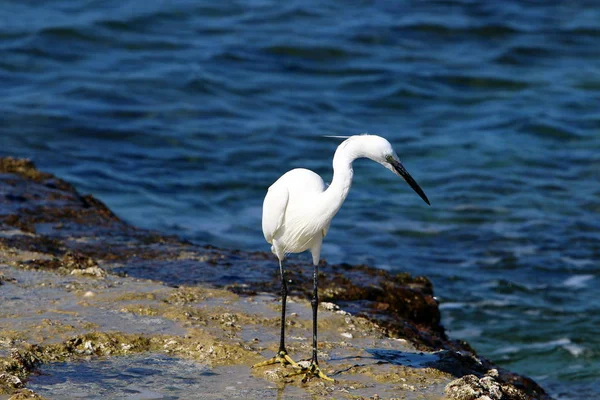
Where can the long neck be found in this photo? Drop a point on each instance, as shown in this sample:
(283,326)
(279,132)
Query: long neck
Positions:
(337,192)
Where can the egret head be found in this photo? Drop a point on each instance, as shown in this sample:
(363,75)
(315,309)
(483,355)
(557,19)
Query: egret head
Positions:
(377,149)
(380,150)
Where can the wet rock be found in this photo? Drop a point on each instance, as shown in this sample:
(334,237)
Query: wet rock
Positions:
(274,375)
(69,263)
(470,387)
(15,369)
(4,278)
(25,360)
(48,228)
(186,295)
(24,394)
(329,306)
(76,261)
(23,167)
(98,344)
(466,388)
(10,381)
(91,271)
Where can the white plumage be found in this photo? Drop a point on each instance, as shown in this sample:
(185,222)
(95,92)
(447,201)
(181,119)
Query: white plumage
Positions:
(291,222)
(299,207)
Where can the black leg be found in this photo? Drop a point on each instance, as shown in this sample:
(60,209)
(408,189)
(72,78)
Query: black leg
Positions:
(282,356)
(315,304)
(313,369)
(283,301)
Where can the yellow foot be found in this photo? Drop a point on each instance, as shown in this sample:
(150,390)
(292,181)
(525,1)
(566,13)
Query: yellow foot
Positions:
(313,370)
(281,357)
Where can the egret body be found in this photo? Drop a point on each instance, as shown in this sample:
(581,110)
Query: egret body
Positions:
(297,213)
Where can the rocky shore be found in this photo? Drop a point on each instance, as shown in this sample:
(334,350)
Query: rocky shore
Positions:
(81,289)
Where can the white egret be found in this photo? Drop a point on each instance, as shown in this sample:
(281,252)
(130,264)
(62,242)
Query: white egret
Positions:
(298,210)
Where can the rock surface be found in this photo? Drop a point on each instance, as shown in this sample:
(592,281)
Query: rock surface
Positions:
(79,285)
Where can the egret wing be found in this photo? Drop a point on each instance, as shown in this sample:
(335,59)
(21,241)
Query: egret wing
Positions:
(274,207)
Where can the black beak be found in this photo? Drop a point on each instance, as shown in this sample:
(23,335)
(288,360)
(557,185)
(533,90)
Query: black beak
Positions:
(400,170)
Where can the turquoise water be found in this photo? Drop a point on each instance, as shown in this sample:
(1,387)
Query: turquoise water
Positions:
(180,114)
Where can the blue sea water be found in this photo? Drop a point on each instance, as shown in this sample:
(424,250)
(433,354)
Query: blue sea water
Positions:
(179,115)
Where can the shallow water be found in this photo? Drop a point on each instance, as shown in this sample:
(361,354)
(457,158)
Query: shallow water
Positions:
(180,114)
(151,377)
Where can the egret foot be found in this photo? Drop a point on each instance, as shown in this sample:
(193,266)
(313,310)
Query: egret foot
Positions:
(281,357)
(313,370)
